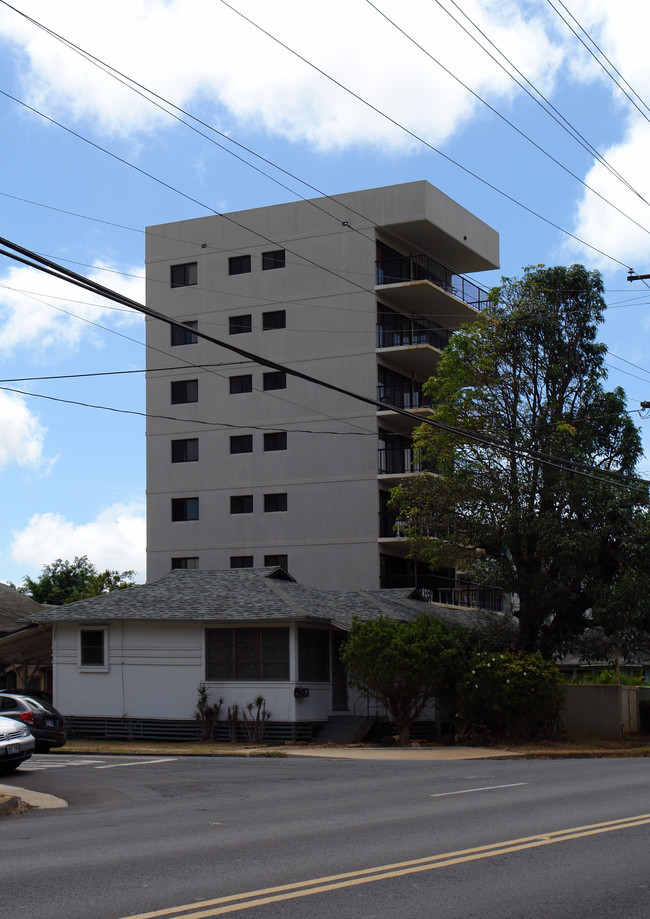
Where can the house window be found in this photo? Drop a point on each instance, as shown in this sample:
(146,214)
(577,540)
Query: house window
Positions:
(275,440)
(277,319)
(185,391)
(185,563)
(241,443)
(185,451)
(184,334)
(247,654)
(275,379)
(237,325)
(239,264)
(241,561)
(275,502)
(241,383)
(276,561)
(273,259)
(185,509)
(92,647)
(184,275)
(241,504)
(314,655)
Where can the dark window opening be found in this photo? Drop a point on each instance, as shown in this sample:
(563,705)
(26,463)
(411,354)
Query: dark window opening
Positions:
(275,379)
(280,561)
(185,391)
(241,561)
(275,502)
(239,264)
(237,325)
(277,319)
(241,443)
(185,451)
(186,562)
(241,504)
(185,509)
(247,654)
(185,334)
(241,383)
(92,645)
(314,655)
(184,275)
(273,259)
(275,440)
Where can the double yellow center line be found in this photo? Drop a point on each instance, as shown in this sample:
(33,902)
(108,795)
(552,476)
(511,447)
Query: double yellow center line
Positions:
(222,905)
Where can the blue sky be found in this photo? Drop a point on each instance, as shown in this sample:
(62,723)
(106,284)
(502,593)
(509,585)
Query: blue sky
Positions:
(82,191)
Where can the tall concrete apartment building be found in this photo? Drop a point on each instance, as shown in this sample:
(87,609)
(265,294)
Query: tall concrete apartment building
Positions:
(250,466)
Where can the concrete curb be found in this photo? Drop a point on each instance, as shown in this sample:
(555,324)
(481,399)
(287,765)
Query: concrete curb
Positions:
(33,798)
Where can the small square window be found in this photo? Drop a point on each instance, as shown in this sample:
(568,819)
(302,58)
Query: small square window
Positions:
(241,504)
(239,264)
(185,451)
(241,443)
(241,383)
(272,260)
(276,319)
(275,379)
(185,509)
(185,391)
(185,563)
(279,561)
(92,647)
(275,502)
(184,275)
(184,334)
(237,325)
(241,561)
(275,440)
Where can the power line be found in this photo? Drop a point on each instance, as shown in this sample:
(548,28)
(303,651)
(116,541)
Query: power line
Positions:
(604,476)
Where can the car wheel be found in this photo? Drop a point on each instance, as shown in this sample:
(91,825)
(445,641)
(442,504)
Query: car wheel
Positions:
(42,747)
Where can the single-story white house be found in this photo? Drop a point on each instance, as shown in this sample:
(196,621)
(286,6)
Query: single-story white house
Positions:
(129,663)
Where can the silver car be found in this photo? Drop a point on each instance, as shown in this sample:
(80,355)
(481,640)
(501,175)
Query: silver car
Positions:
(16,744)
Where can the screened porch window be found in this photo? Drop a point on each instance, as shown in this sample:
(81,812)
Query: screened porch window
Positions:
(247,654)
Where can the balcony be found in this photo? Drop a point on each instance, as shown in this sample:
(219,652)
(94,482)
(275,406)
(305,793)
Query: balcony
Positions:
(412,345)
(403,395)
(447,591)
(400,461)
(420,284)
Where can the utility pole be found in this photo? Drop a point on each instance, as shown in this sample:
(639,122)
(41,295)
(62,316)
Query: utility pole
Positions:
(631,276)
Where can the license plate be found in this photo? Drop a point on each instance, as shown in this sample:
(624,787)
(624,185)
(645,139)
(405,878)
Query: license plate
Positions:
(49,723)
(13,748)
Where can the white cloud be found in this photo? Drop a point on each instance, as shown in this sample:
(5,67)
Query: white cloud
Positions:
(205,52)
(23,437)
(40,312)
(114,540)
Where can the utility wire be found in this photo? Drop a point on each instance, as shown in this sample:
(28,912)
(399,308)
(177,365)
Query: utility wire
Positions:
(604,476)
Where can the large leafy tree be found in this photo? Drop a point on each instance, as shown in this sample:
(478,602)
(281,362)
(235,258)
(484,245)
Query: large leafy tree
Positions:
(65,581)
(540,493)
(405,665)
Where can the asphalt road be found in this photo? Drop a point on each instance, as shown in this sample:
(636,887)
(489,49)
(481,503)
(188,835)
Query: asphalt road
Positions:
(284,838)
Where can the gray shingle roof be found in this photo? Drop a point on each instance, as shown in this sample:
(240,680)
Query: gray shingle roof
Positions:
(245,595)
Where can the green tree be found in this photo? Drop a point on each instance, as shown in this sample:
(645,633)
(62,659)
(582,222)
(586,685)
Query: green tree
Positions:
(565,536)
(511,696)
(65,581)
(404,665)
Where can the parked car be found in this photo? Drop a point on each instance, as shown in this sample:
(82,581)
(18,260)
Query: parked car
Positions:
(16,744)
(43,720)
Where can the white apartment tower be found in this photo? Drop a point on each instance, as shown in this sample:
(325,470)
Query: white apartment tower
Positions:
(250,466)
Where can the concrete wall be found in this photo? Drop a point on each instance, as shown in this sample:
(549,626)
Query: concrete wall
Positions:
(608,711)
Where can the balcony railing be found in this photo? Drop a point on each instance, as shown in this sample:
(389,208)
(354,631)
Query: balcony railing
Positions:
(396,334)
(452,593)
(397,270)
(399,460)
(403,395)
